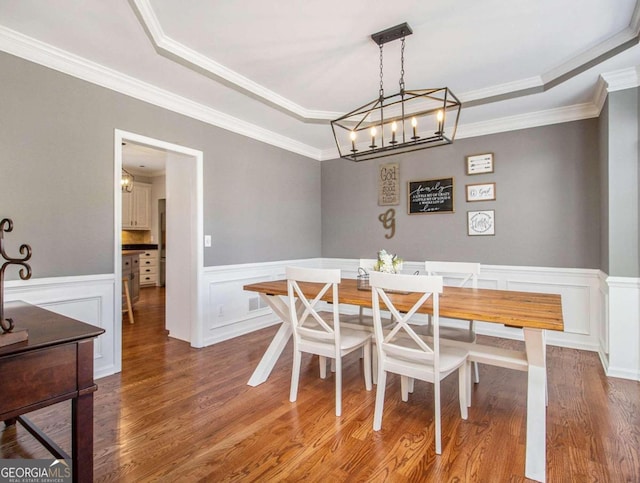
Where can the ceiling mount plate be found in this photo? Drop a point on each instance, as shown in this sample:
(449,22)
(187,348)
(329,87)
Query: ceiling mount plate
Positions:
(391,34)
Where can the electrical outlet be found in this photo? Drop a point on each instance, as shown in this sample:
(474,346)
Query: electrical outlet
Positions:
(207,241)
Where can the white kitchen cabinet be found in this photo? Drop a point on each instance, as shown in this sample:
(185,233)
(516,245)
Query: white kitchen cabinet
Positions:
(136,208)
(149,268)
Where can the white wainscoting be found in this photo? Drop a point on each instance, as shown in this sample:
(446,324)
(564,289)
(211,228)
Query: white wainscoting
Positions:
(600,313)
(85,298)
(228,310)
(620,351)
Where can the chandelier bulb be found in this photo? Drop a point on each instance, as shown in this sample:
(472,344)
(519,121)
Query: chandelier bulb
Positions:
(440,119)
(414,124)
(374,131)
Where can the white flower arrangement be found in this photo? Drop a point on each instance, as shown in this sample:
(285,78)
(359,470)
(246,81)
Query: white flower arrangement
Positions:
(387,262)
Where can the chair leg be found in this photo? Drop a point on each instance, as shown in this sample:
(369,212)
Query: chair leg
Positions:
(436,395)
(463,388)
(333,365)
(323,367)
(477,372)
(338,386)
(404,388)
(367,367)
(295,375)
(469,374)
(127,295)
(377,413)
(374,364)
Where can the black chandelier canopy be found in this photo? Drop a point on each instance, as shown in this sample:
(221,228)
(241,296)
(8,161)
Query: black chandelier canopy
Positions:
(409,120)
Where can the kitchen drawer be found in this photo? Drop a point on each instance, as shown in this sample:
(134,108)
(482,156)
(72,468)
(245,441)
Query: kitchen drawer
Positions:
(148,279)
(149,255)
(148,271)
(148,262)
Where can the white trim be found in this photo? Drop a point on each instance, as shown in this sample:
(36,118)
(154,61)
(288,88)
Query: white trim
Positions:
(621,79)
(54,58)
(88,298)
(197,253)
(91,299)
(194,60)
(173,49)
(548,117)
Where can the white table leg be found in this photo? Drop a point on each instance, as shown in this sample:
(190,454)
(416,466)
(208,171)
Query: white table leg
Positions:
(536,461)
(272,354)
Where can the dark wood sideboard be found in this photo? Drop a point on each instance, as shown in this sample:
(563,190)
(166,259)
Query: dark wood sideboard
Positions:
(55,364)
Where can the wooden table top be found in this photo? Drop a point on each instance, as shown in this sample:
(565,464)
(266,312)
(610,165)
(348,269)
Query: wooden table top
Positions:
(518,309)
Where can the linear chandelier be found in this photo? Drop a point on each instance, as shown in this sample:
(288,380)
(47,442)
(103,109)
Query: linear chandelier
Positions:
(406,121)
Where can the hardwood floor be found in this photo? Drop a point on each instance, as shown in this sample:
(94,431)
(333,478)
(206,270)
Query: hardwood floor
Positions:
(182,414)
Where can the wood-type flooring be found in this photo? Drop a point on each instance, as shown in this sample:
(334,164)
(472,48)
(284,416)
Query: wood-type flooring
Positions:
(178,414)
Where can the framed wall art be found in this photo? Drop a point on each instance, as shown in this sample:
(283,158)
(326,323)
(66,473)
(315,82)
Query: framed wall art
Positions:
(430,196)
(389,184)
(480,163)
(481,223)
(481,192)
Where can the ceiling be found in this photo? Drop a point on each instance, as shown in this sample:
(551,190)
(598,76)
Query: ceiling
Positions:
(279,71)
(142,160)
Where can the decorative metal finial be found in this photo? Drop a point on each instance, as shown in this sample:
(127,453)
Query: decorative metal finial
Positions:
(6,225)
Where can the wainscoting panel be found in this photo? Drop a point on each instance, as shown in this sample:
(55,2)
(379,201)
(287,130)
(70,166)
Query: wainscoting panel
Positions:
(89,299)
(229,311)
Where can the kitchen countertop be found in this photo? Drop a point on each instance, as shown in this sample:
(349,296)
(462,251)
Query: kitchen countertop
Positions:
(139,246)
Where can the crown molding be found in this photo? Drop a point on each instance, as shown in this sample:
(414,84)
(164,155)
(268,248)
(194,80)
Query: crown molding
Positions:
(196,61)
(178,52)
(621,79)
(41,53)
(529,120)
(38,52)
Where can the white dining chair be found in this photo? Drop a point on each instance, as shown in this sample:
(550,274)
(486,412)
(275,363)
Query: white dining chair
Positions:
(319,333)
(402,351)
(462,274)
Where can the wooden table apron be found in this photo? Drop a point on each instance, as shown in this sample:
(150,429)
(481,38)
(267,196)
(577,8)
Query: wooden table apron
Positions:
(55,364)
(533,312)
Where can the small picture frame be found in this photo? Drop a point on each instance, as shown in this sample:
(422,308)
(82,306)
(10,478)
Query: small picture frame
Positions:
(481,223)
(481,192)
(480,163)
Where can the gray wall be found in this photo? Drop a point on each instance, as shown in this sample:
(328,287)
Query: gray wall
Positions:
(546,211)
(261,203)
(603,130)
(623,183)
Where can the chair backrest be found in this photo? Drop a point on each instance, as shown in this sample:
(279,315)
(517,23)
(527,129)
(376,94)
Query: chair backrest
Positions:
(466,272)
(306,321)
(367,264)
(389,343)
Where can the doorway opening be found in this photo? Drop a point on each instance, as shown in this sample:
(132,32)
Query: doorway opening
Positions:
(183,242)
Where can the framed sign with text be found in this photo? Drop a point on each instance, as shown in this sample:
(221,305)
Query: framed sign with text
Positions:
(389,184)
(430,196)
(481,223)
(481,192)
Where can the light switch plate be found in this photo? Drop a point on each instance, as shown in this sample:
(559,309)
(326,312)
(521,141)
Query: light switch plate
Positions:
(207,241)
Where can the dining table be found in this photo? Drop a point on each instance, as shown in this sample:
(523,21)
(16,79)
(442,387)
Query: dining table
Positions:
(532,312)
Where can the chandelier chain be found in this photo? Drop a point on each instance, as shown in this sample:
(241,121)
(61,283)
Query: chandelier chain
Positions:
(381,92)
(402,66)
